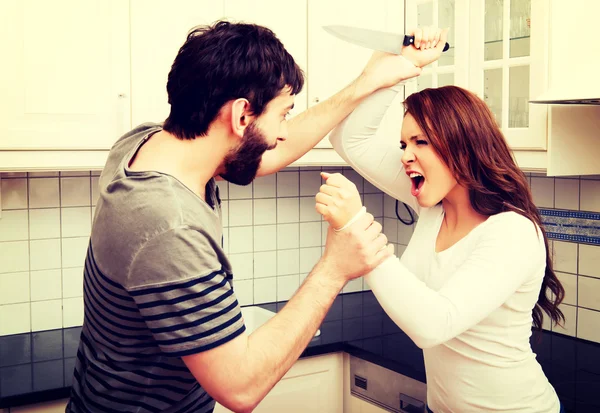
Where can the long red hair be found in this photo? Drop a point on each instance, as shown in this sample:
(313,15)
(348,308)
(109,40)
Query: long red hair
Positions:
(463,131)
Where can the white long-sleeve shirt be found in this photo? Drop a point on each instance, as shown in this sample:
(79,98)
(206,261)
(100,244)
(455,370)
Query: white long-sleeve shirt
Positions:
(470,306)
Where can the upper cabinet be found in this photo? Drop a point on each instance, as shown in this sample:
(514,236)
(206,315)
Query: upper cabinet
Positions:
(334,63)
(65,76)
(158,30)
(498,50)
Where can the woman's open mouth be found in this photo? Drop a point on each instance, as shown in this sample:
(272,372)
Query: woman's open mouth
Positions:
(417,181)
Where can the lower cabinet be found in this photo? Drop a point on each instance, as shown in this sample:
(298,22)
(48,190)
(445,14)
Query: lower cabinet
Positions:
(313,384)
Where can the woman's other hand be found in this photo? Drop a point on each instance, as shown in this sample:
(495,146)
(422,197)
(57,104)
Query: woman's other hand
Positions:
(338,200)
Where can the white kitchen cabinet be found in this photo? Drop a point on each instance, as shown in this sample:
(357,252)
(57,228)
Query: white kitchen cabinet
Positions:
(158,30)
(313,384)
(334,63)
(65,76)
(499,50)
(289,25)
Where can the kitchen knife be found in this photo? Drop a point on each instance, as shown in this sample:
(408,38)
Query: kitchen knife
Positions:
(373,39)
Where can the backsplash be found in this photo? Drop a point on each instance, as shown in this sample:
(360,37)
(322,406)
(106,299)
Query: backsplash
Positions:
(272,233)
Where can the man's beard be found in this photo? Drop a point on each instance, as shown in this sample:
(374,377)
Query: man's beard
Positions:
(241,164)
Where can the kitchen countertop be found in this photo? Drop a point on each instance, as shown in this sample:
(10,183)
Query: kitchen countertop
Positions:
(38,366)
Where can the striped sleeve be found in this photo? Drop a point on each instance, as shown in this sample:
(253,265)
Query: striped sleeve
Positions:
(184,293)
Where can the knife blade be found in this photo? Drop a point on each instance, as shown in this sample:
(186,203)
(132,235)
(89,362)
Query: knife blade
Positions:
(373,39)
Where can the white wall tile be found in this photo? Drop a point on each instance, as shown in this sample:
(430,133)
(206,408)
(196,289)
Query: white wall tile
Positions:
(223,189)
(310,182)
(224,213)
(226,240)
(355,178)
(390,229)
(265,186)
(244,292)
(74,251)
(96,173)
(14,225)
(265,264)
(240,213)
(308,258)
(95,190)
(43,174)
(43,193)
(370,188)
(72,282)
(242,265)
(240,239)
(542,190)
(14,287)
(310,234)
(570,325)
(265,211)
(288,210)
(265,290)
(569,283)
(14,256)
(590,195)
(353,286)
(566,193)
(374,204)
(565,256)
(46,285)
(287,286)
(75,192)
(265,237)
(389,206)
(74,173)
(308,212)
(44,223)
(288,236)
(288,262)
(15,319)
(587,325)
(589,260)
(288,184)
(13,175)
(46,315)
(240,191)
(45,254)
(14,193)
(589,293)
(76,222)
(72,312)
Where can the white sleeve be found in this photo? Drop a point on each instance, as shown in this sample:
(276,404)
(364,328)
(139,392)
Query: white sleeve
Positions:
(357,140)
(507,255)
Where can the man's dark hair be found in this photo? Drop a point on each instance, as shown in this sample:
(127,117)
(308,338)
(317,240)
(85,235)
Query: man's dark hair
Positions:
(223,62)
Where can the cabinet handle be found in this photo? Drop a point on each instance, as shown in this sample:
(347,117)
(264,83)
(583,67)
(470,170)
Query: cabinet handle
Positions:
(411,405)
(316,100)
(122,95)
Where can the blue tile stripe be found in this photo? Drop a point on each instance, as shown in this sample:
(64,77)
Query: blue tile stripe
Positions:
(573,226)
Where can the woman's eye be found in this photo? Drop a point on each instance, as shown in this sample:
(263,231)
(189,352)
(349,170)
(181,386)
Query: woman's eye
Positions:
(402,146)
(421,142)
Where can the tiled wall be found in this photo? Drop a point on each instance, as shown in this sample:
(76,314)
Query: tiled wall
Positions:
(272,233)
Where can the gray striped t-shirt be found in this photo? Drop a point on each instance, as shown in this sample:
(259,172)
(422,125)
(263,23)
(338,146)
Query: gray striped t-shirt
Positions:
(157,286)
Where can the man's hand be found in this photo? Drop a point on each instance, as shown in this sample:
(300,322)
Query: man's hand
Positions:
(356,250)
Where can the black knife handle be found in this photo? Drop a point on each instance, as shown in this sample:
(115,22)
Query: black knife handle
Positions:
(408,40)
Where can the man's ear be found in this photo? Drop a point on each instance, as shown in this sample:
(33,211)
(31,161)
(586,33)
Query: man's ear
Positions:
(241,116)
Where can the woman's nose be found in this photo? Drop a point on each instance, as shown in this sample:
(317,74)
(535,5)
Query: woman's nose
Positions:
(408,157)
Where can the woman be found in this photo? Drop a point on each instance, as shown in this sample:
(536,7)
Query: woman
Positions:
(476,272)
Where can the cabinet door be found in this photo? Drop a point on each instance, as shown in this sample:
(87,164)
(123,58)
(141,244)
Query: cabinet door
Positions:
(312,385)
(288,23)
(158,29)
(334,63)
(509,61)
(452,67)
(65,76)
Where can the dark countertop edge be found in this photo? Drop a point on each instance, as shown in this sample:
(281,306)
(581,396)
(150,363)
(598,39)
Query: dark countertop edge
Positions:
(318,350)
